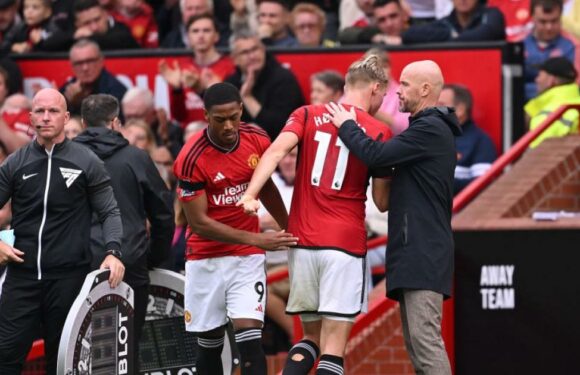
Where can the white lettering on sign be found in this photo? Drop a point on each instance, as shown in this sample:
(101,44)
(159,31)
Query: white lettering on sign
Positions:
(501,276)
(122,337)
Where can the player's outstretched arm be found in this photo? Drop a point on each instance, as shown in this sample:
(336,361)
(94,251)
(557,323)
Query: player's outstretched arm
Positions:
(285,142)
(201,224)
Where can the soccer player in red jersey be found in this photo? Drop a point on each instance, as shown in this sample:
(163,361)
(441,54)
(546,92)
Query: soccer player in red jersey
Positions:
(327,271)
(225,274)
(207,67)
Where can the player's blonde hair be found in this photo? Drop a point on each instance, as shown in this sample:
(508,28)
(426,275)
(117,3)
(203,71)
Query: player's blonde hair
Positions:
(368,69)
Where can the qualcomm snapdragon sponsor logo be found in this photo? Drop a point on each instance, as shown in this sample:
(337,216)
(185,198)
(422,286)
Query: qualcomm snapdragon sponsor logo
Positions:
(231,195)
(496,282)
(70,175)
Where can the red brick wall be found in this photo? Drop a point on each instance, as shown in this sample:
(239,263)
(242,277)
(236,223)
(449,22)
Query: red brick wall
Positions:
(544,179)
(380,349)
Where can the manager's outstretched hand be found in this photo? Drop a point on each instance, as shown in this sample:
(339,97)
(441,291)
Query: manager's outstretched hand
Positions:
(249,204)
(338,114)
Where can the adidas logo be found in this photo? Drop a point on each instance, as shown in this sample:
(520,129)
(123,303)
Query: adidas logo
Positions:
(259,308)
(218,177)
(70,175)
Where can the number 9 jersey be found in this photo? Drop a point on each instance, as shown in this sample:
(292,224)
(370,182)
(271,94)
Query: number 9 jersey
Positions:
(328,204)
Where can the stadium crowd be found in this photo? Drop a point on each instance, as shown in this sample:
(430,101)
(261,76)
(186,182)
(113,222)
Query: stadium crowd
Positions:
(87,29)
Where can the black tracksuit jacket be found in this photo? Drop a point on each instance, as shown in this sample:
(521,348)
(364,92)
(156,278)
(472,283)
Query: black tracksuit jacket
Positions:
(53,197)
(142,196)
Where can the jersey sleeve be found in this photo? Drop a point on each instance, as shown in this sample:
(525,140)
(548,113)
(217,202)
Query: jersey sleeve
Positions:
(297,122)
(190,181)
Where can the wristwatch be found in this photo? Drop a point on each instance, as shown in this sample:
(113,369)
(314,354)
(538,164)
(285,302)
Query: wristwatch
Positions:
(116,253)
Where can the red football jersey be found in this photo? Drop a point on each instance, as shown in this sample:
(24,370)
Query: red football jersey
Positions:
(187,106)
(204,168)
(328,205)
(143,26)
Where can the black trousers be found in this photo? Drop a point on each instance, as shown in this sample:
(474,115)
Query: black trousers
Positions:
(30,309)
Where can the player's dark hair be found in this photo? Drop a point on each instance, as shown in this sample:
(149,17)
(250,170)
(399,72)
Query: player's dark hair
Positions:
(203,16)
(99,110)
(548,6)
(382,3)
(221,93)
(82,5)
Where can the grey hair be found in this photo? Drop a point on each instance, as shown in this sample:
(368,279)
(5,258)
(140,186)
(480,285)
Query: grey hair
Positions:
(139,93)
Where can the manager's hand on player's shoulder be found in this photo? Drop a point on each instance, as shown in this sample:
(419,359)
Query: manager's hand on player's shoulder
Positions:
(338,114)
(117,269)
(275,240)
(249,204)
(9,254)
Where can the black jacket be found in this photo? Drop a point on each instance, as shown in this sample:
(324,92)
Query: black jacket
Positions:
(106,84)
(278,92)
(142,196)
(77,185)
(486,24)
(423,158)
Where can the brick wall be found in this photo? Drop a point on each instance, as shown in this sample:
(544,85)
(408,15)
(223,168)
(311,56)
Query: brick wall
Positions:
(544,179)
(377,350)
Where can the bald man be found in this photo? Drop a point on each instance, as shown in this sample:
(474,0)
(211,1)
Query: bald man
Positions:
(55,185)
(421,161)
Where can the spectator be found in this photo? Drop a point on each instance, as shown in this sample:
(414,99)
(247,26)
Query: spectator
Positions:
(545,41)
(138,103)
(94,22)
(557,86)
(139,17)
(90,76)
(571,19)
(308,23)
(164,162)
(326,86)
(390,21)
(39,32)
(475,149)
(207,67)
(425,11)
(193,128)
(51,255)
(469,21)
(139,134)
(357,13)
(177,37)
(244,15)
(517,16)
(73,127)
(145,203)
(9,24)
(389,112)
(274,23)
(269,91)
(15,129)
(420,255)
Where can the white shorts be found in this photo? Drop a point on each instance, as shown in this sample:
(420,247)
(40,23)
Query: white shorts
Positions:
(218,288)
(326,283)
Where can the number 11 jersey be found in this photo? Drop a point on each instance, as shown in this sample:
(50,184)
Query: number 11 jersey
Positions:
(328,204)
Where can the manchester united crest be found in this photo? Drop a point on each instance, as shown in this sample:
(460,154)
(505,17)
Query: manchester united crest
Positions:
(253,161)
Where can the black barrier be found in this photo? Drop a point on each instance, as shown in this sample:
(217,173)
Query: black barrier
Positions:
(98,333)
(517,302)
